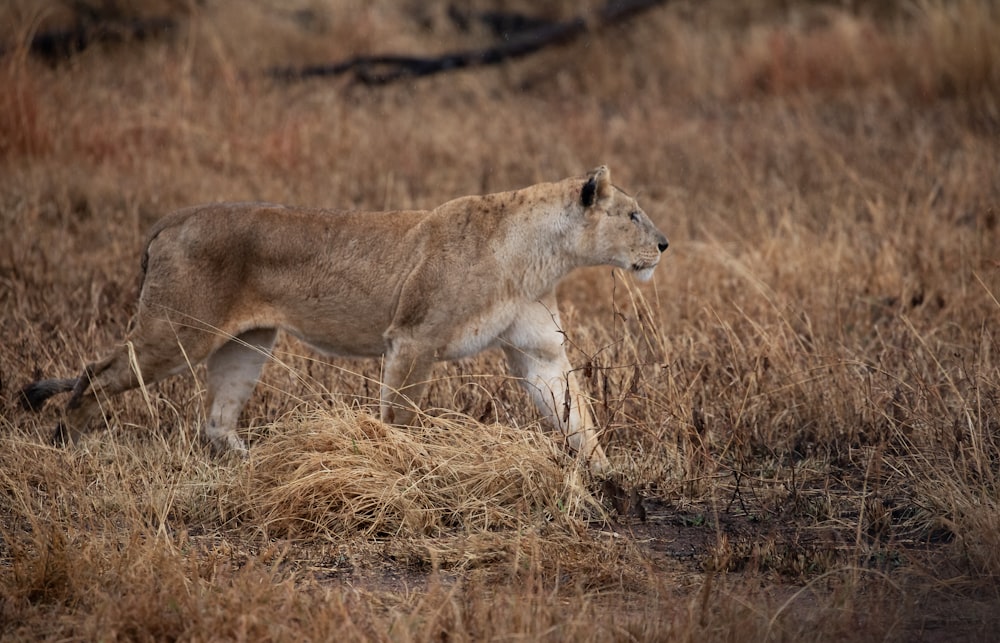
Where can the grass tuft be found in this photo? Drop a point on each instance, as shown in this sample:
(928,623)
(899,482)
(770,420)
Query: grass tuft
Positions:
(345,473)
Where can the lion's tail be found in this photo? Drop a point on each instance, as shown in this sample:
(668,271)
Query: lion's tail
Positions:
(33,395)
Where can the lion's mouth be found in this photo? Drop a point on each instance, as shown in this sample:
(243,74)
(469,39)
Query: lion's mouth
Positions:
(643,272)
(639,266)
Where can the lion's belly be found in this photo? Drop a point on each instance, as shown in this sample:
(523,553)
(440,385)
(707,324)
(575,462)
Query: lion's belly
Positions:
(343,344)
(347,320)
(339,333)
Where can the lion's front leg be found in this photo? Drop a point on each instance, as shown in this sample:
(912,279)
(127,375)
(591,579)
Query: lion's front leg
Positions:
(536,356)
(404,379)
(555,391)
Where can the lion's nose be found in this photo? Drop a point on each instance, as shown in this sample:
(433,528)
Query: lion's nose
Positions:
(662,245)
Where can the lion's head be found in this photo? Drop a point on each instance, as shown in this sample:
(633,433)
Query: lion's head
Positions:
(616,231)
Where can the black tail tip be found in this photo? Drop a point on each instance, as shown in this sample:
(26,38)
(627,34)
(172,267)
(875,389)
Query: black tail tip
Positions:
(33,396)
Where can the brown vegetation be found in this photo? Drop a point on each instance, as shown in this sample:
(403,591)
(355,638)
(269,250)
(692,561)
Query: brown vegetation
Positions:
(806,398)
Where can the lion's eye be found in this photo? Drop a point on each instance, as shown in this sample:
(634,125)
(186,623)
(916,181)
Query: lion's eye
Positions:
(634,216)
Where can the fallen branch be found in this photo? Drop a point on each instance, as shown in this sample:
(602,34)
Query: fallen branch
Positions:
(383,69)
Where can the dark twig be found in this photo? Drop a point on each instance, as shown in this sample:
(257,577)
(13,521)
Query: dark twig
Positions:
(382,69)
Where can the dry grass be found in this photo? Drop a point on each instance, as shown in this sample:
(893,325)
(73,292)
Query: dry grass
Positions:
(807,397)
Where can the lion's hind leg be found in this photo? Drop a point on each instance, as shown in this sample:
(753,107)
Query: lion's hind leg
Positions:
(233,371)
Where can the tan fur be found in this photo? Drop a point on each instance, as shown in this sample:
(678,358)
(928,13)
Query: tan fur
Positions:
(412,287)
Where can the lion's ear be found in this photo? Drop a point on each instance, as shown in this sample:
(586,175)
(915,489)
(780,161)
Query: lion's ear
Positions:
(597,188)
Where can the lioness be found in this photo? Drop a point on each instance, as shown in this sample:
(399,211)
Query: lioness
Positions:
(413,287)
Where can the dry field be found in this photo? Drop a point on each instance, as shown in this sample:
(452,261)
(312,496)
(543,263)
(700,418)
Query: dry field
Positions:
(806,399)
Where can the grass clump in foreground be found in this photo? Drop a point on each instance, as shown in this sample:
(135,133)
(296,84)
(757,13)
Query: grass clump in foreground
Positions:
(349,473)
